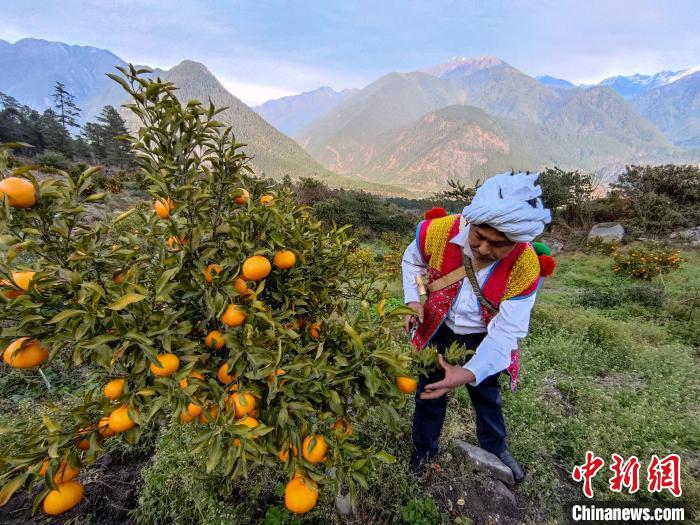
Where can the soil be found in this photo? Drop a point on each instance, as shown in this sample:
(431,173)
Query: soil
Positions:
(111,492)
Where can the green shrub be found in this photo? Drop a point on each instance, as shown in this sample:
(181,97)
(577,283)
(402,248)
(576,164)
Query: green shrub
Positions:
(647,263)
(603,247)
(610,296)
(54,159)
(420,512)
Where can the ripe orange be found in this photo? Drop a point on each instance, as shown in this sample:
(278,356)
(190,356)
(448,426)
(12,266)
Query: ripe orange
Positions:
(65,497)
(119,420)
(214,339)
(278,372)
(233,316)
(317,453)
(163,207)
(407,385)
(210,414)
(104,429)
(284,453)
(119,276)
(169,365)
(300,494)
(266,200)
(113,390)
(342,426)
(194,409)
(243,403)
(248,421)
(315,330)
(241,196)
(176,243)
(184,383)
(256,268)
(83,444)
(185,417)
(20,192)
(242,287)
(64,472)
(223,375)
(208,277)
(31,355)
(22,280)
(285,259)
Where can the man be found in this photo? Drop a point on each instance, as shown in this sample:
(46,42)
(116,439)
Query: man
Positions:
(483,275)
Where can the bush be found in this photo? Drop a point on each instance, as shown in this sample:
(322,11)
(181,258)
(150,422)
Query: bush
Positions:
(647,263)
(603,247)
(54,159)
(610,296)
(420,512)
(568,194)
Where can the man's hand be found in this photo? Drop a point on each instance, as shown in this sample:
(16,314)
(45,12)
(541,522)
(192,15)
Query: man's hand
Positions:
(455,376)
(418,308)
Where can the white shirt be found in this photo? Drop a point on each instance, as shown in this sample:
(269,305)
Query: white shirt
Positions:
(464,317)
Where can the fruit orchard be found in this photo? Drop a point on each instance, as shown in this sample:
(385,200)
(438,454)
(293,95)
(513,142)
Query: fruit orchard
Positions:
(222,306)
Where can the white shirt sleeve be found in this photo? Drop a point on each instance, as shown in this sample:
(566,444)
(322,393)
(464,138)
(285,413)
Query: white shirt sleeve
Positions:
(412,264)
(510,324)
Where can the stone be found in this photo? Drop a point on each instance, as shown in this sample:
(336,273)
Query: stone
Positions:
(556,247)
(690,235)
(607,231)
(484,461)
(504,493)
(344,507)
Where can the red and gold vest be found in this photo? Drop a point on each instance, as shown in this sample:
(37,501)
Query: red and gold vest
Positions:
(515,276)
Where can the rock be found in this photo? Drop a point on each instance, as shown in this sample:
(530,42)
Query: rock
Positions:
(504,492)
(607,231)
(691,235)
(695,244)
(344,507)
(556,247)
(484,460)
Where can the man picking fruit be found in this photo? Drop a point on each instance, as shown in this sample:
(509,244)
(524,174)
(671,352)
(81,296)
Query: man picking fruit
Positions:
(482,278)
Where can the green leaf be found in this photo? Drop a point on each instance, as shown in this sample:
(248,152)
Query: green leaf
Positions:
(385,457)
(11,487)
(65,314)
(126,300)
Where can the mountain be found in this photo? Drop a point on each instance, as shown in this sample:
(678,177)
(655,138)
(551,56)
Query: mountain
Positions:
(292,113)
(632,86)
(554,82)
(30,67)
(464,64)
(373,133)
(674,108)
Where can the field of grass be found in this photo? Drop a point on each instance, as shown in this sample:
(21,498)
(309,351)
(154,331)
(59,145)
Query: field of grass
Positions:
(600,373)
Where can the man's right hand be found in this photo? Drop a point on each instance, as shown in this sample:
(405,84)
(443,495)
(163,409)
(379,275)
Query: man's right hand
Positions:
(418,308)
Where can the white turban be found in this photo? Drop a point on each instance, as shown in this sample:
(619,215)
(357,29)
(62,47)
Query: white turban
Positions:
(511,204)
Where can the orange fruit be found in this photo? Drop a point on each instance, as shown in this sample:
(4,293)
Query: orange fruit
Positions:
(183,382)
(300,494)
(315,330)
(119,420)
(407,385)
(233,316)
(104,429)
(208,277)
(243,404)
(20,192)
(169,365)
(194,409)
(65,497)
(241,196)
(163,207)
(214,339)
(209,415)
(341,426)
(113,390)
(119,276)
(284,454)
(278,372)
(30,355)
(223,375)
(256,268)
(266,200)
(176,243)
(185,417)
(83,444)
(22,280)
(242,287)
(248,421)
(64,472)
(236,442)
(285,259)
(317,453)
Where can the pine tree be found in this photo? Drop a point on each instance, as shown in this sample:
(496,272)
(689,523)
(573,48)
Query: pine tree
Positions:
(55,136)
(102,138)
(67,110)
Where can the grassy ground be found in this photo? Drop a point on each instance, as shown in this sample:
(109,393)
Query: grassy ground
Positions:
(620,378)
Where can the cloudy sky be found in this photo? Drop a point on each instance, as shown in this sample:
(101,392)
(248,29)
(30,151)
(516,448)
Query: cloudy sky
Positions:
(263,49)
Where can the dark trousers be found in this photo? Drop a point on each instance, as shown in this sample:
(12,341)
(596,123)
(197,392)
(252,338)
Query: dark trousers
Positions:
(429,415)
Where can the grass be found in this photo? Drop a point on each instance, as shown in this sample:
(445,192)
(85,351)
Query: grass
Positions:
(614,376)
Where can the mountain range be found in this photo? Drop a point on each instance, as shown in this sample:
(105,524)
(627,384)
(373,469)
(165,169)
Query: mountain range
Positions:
(466,118)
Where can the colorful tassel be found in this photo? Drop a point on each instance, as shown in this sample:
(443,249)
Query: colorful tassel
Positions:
(541,248)
(435,213)
(547,265)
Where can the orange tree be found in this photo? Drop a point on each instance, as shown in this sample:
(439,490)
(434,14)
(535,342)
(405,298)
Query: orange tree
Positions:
(224,306)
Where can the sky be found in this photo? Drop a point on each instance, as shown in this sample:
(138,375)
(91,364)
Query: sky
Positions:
(263,49)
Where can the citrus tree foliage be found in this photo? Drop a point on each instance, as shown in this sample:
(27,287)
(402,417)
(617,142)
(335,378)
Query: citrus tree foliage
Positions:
(116,297)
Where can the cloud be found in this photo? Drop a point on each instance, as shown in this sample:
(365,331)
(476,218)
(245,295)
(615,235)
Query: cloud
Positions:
(254,94)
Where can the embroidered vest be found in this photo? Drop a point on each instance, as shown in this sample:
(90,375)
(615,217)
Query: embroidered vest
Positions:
(516,275)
